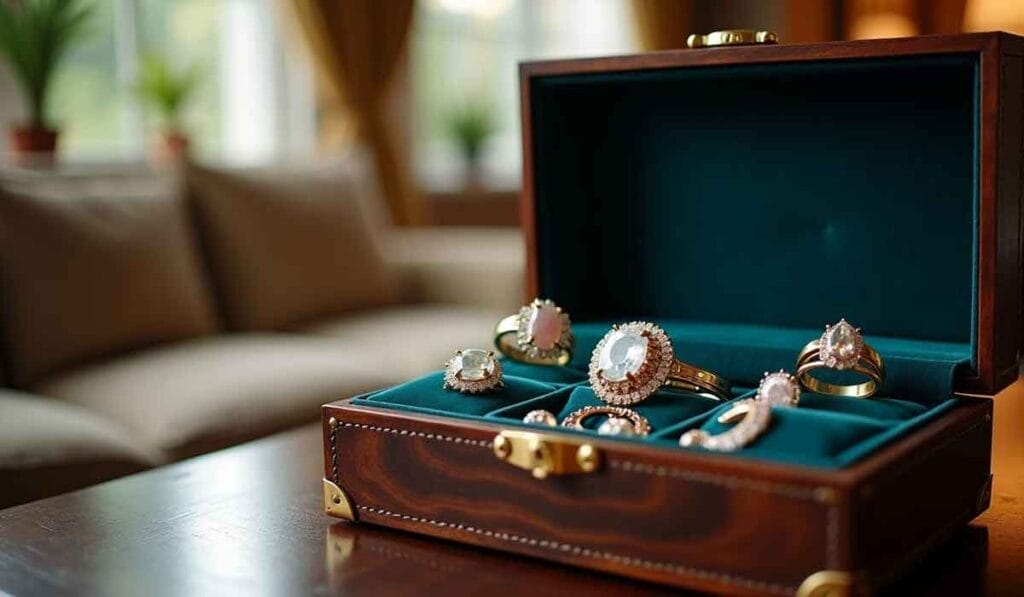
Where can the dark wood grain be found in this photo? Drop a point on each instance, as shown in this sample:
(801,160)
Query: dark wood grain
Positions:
(250,519)
(999,305)
(689,519)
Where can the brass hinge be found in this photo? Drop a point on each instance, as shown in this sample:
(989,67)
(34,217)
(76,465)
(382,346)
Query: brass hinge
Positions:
(544,454)
(732,37)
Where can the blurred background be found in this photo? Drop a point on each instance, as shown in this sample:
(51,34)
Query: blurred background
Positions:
(428,85)
(218,215)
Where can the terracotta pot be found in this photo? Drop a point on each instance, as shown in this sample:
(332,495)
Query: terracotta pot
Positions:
(33,145)
(172,148)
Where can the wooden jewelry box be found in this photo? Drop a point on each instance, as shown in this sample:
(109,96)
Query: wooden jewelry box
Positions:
(741,198)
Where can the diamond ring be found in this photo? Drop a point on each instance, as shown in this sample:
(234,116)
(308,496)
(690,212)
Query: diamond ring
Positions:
(540,334)
(753,417)
(634,359)
(621,421)
(472,371)
(841,348)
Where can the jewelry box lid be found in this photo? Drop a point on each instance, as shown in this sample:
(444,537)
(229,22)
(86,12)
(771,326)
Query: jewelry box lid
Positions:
(787,186)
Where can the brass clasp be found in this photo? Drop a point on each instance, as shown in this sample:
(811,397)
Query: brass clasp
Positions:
(732,37)
(545,455)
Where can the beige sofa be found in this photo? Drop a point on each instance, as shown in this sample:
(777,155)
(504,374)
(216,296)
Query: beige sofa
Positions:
(148,322)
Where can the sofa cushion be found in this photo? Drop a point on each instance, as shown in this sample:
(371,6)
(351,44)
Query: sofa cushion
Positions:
(89,278)
(286,248)
(49,447)
(200,395)
(407,341)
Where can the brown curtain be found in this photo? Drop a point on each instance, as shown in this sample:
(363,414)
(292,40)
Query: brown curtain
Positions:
(662,24)
(358,45)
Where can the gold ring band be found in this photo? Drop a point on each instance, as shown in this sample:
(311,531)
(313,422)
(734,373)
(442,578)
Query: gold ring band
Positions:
(539,334)
(840,348)
(700,381)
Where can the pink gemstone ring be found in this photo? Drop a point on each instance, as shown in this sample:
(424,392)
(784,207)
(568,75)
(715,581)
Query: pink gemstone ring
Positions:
(841,348)
(540,334)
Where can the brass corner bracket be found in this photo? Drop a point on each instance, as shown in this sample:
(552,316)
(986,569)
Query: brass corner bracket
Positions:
(337,503)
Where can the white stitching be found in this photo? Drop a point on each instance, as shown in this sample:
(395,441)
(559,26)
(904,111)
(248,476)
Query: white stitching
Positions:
(832,541)
(434,436)
(590,553)
(794,491)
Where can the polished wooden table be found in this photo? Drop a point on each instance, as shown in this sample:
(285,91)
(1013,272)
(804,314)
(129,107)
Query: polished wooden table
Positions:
(249,520)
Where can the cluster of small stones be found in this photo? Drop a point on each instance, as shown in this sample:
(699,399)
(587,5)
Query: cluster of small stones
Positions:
(526,336)
(647,379)
(747,430)
(541,417)
(840,346)
(779,389)
(488,377)
(638,424)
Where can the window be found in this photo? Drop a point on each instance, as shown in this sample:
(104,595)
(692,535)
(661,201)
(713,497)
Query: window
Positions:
(466,52)
(254,103)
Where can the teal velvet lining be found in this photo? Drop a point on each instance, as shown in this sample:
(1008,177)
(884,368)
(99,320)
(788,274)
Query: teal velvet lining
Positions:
(918,370)
(427,392)
(823,431)
(786,195)
(741,208)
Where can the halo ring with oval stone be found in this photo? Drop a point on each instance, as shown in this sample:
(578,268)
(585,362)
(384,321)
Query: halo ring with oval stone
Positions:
(635,359)
(841,348)
(472,371)
(539,334)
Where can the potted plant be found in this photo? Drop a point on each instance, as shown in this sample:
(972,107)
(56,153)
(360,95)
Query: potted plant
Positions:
(34,36)
(168,90)
(470,127)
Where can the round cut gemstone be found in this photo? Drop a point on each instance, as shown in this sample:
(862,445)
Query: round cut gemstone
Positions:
(474,364)
(841,341)
(545,326)
(623,354)
(778,389)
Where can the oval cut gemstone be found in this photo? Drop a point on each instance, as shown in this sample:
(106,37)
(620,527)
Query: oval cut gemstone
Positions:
(545,326)
(474,364)
(623,353)
(777,389)
(842,341)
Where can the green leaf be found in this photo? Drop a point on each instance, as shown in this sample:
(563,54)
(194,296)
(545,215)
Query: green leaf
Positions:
(165,89)
(34,36)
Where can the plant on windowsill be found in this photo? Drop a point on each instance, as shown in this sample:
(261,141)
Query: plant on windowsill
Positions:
(470,127)
(167,91)
(34,37)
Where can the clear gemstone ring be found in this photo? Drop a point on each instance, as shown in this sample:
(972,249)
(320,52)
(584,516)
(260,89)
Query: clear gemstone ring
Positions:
(635,359)
(621,421)
(472,371)
(752,418)
(841,348)
(539,334)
